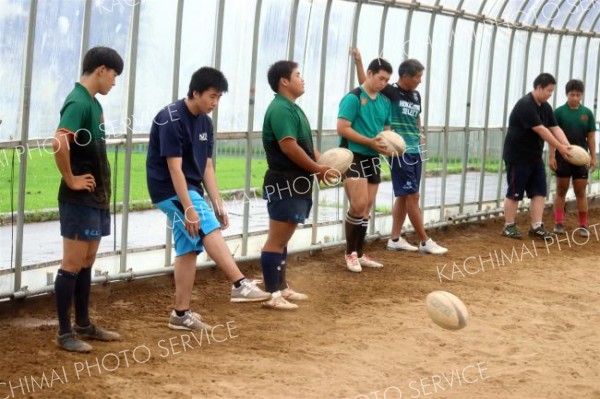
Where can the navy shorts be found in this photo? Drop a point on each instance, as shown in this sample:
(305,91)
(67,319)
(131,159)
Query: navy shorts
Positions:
(83,223)
(526,177)
(289,210)
(566,169)
(366,167)
(406,173)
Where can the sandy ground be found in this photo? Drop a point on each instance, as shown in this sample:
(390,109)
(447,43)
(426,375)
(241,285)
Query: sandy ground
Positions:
(534,331)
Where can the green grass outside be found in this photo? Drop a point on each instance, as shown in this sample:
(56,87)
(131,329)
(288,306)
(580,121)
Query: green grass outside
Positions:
(43,177)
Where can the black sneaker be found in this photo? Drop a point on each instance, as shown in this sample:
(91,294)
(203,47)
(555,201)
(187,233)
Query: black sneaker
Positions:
(559,229)
(583,231)
(97,333)
(511,232)
(70,342)
(540,232)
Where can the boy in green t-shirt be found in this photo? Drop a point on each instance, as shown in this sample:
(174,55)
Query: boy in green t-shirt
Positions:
(83,196)
(287,187)
(363,114)
(579,125)
(406,170)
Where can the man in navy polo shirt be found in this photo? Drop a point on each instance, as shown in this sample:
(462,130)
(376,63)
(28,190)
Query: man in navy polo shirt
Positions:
(179,167)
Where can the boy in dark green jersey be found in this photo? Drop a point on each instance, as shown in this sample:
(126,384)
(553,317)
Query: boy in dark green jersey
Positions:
(83,196)
(287,187)
(579,125)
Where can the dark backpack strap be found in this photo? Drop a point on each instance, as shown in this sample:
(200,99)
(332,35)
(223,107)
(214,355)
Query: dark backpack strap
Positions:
(356,92)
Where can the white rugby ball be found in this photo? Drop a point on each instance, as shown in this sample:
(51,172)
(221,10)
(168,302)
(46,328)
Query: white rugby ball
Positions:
(339,159)
(446,310)
(394,142)
(578,156)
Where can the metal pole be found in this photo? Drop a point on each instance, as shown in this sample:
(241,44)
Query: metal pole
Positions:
(292,31)
(406,44)
(449,95)
(380,48)
(315,215)
(132,59)
(25,108)
(174,97)
(544,43)
(217,48)
(486,130)
(85,34)
(426,117)
(250,130)
(350,87)
(526,66)
(504,128)
(386,8)
(217,51)
(465,158)
(572,59)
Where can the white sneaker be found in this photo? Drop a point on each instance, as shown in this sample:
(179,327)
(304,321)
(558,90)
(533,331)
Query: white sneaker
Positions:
(431,247)
(190,321)
(290,295)
(365,261)
(248,292)
(352,263)
(279,303)
(400,245)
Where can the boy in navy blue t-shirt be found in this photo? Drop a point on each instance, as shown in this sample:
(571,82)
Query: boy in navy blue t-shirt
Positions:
(179,167)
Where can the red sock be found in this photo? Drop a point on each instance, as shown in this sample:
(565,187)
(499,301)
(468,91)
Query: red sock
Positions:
(559,216)
(583,220)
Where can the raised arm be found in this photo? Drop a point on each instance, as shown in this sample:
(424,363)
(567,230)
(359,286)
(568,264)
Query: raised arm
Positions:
(360,71)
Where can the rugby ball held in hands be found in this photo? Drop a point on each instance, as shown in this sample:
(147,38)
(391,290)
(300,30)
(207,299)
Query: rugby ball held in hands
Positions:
(394,142)
(578,156)
(339,159)
(446,310)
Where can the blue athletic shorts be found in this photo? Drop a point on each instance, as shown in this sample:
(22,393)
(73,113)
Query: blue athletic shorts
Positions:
(406,172)
(173,208)
(83,223)
(290,210)
(526,177)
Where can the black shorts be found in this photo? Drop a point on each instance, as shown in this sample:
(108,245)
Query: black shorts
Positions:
(289,210)
(366,167)
(566,169)
(526,177)
(83,223)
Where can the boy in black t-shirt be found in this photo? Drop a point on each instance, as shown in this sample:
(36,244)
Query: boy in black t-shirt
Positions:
(531,123)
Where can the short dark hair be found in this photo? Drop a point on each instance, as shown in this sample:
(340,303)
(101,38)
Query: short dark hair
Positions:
(206,78)
(280,70)
(544,79)
(574,85)
(410,67)
(379,64)
(99,56)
